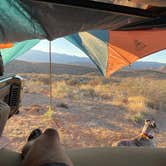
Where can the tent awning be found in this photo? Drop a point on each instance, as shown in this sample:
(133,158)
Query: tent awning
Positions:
(112,33)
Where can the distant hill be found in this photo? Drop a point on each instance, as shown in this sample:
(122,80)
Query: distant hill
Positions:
(147,65)
(40,56)
(33,67)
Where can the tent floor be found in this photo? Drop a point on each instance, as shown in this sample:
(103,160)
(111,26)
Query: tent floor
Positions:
(101,157)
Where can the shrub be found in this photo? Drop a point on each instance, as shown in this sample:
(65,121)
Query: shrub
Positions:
(63,105)
(138,118)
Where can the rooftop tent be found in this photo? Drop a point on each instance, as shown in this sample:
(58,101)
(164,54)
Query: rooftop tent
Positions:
(31,19)
(107,49)
(81,23)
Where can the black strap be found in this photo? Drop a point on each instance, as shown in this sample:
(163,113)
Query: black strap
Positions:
(54,164)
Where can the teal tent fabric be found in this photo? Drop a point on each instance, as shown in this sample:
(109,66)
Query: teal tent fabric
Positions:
(94,44)
(28,19)
(17,23)
(19,49)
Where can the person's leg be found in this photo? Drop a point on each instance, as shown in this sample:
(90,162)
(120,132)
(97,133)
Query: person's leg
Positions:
(30,141)
(45,150)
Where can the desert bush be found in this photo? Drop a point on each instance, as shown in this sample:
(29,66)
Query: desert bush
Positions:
(137,104)
(104,91)
(95,82)
(63,105)
(152,92)
(32,86)
(61,89)
(135,93)
(138,118)
(87,91)
(73,82)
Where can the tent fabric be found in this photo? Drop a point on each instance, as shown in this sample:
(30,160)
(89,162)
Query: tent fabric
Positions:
(30,19)
(112,50)
(109,50)
(17,50)
(16,24)
(125,47)
(94,44)
(75,19)
(6,45)
(112,36)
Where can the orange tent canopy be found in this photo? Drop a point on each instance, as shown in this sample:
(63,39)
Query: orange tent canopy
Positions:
(125,47)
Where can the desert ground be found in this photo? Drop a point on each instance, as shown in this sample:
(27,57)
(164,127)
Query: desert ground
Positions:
(89,110)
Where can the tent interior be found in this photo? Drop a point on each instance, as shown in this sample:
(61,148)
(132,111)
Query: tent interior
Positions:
(112,15)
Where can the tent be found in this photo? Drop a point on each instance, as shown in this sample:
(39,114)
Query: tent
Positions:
(112,33)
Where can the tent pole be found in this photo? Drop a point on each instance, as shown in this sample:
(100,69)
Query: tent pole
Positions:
(51,105)
(50,111)
(50,78)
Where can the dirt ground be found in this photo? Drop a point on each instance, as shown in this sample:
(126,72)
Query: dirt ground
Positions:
(89,116)
(80,123)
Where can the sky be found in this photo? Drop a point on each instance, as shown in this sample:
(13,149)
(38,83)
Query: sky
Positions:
(60,45)
(63,46)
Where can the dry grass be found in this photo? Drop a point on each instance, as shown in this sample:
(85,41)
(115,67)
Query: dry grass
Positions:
(137,94)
